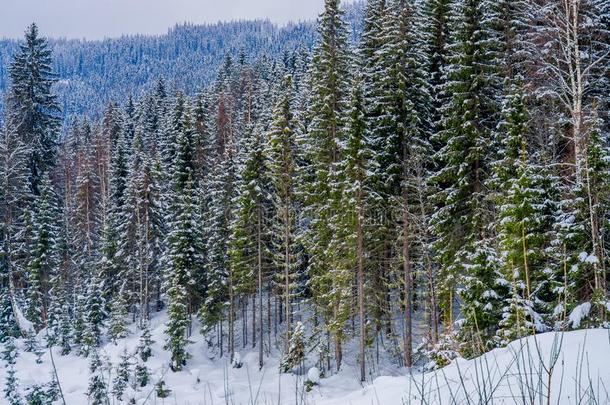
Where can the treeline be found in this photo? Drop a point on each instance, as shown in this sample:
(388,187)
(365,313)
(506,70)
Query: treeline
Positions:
(93,72)
(445,178)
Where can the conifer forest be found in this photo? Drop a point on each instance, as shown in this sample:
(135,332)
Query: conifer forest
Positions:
(399,185)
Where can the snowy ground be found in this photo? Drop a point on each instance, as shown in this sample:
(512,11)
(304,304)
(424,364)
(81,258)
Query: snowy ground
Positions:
(503,376)
(577,365)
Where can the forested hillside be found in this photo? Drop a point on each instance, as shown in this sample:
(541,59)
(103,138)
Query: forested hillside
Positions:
(436,187)
(93,73)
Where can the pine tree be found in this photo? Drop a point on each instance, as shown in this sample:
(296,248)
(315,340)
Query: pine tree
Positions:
(32,106)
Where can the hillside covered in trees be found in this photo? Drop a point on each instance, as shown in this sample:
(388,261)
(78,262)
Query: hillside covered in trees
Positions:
(92,73)
(434,184)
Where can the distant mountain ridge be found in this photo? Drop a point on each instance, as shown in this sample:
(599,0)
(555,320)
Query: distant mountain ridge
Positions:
(92,73)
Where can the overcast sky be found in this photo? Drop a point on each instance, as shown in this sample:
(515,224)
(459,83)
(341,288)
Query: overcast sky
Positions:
(95,19)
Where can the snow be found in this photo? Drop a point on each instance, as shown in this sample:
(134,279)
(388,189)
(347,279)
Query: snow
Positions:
(24,325)
(577,364)
(579,313)
(581,363)
(313,375)
(585,257)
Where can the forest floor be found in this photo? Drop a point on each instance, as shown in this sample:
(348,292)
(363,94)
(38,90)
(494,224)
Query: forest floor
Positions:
(577,364)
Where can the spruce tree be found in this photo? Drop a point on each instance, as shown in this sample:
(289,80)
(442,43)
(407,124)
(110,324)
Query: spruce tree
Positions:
(326,134)
(14,195)
(80,318)
(94,316)
(123,374)
(141,230)
(596,195)
(11,384)
(348,242)
(97,390)
(372,64)
(184,246)
(405,141)
(65,332)
(37,395)
(281,161)
(437,34)
(525,222)
(142,375)
(249,244)
(44,259)
(8,326)
(296,349)
(581,234)
(220,192)
(32,345)
(32,106)
(464,241)
(112,265)
(144,346)
(204,151)
(117,328)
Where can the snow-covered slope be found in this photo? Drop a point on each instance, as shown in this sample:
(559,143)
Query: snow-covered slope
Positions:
(581,373)
(570,368)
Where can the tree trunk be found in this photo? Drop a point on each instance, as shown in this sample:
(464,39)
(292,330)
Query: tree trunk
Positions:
(254,329)
(260,289)
(361,310)
(231,318)
(408,342)
(287,241)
